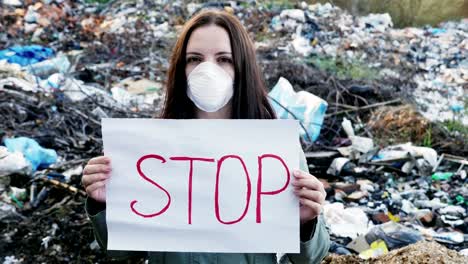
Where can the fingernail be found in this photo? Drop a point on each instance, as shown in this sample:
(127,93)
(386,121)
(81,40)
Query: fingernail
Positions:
(297,173)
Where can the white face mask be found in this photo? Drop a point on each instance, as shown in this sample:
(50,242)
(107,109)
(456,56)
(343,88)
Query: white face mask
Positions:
(210,87)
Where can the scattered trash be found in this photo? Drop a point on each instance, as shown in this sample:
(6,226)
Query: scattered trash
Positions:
(377,248)
(339,166)
(76,171)
(405,151)
(339,249)
(40,196)
(348,127)
(379,22)
(349,222)
(8,211)
(141,93)
(43,69)
(394,235)
(94,245)
(449,237)
(362,144)
(12,3)
(441,176)
(11,259)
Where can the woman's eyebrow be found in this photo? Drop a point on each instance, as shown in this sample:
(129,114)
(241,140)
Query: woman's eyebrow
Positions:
(218,53)
(224,53)
(194,53)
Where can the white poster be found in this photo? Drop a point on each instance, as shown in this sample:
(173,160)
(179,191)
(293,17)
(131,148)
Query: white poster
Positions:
(202,185)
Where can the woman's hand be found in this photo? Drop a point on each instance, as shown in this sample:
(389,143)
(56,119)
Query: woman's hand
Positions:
(95,174)
(311,195)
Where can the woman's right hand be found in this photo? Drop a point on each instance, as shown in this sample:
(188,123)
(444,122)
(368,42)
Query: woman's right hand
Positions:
(95,174)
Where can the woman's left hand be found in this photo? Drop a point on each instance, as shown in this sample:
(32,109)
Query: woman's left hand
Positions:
(311,195)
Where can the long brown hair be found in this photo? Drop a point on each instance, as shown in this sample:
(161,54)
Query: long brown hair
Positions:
(250,97)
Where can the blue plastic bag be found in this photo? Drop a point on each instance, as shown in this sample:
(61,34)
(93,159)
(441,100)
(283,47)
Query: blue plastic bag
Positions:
(304,106)
(26,55)
(437,31)
(32,151)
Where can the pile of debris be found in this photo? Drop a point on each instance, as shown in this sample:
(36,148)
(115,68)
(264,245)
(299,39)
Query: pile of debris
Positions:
(382,199)
(434,57)
(421,252)
(369,90)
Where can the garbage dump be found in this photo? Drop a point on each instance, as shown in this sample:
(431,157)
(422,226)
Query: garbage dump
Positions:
(383,113)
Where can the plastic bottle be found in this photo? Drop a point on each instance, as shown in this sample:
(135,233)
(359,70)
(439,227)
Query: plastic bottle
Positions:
(441,176)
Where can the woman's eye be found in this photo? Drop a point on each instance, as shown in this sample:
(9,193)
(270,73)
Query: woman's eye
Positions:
(193,59)
(225,60)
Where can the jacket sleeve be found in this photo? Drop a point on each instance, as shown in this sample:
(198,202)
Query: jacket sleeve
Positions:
(97,214)
(316,247)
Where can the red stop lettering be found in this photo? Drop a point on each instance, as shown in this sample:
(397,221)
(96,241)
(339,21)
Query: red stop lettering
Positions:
(260,192)
(249,189)
(190,180)
(259,183)
(138,165)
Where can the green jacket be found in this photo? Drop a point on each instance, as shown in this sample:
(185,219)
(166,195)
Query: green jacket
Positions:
(314,245)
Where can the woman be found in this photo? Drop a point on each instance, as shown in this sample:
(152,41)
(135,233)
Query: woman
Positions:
(214,74)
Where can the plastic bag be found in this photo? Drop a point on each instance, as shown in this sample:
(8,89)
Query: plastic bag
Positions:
(32,151)
(304,106)
(12,162)
(394,235)
(26,55)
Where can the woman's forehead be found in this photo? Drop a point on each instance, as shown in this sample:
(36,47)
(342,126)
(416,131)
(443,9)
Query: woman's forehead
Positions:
(209,40)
